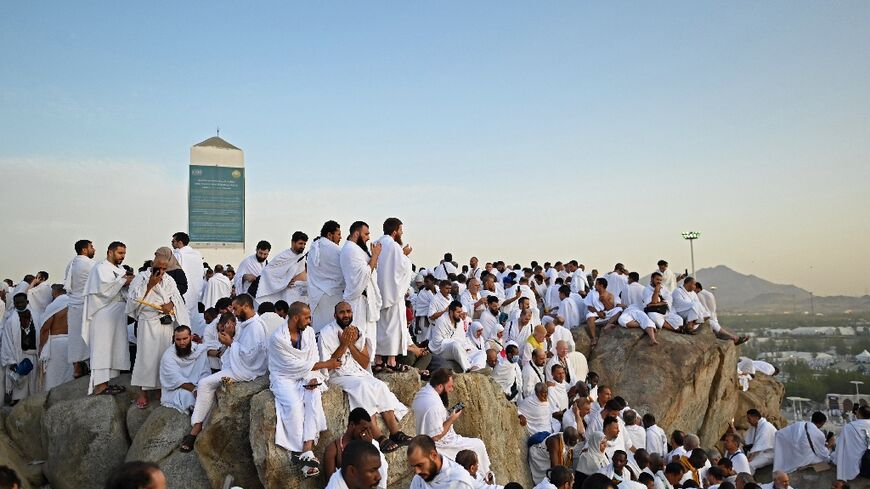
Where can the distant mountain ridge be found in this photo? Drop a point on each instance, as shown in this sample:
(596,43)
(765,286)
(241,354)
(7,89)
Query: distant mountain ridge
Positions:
(736,293)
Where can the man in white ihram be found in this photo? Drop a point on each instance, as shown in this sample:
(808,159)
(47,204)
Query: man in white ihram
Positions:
(359,268)
(801,444)
(251,267)
(325,281)
(18,346)
(53,340)
(297,382)
(851,445)
(104,322)
(182,366)
(74,282)
(191,262)
(447,337)
(342,341)
(284,278)
(157,306)
(434,420)
(394,279)
(761,435)
(217,287)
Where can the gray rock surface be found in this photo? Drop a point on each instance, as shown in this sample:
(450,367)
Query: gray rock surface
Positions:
(157,441)
(24,426)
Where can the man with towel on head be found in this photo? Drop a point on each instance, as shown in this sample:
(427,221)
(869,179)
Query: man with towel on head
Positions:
(251,267)
(325,281)
(18,349)
(394,279)
(284,278)
(359,268)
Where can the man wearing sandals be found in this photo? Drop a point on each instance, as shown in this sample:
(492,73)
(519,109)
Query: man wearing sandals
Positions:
(340,340)
(244,360)
(394,279)
(297,382)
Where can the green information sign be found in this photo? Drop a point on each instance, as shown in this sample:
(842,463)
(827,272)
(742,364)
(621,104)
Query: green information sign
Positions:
(216,204)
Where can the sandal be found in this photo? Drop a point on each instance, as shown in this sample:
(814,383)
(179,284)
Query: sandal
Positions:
(378,368)
(400,438)
(111,390)
(387,445)
(400,368)
(140,404)
(741,340)
(187,443)
(310,464)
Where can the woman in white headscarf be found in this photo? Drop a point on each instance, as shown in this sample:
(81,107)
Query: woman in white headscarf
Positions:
(476,346)
(497,342)
(592,457)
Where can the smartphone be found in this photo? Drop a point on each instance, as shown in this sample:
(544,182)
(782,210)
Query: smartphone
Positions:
(458,407)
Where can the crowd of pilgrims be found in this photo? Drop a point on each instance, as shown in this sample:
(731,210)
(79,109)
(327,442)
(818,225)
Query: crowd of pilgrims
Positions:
(334,312)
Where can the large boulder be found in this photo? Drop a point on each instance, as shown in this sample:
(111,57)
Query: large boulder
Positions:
(689,382)
(24,426)
(136,417)
(223,446)
(30,475)
(157,441)
(487,416)
(765,394)
(85,439)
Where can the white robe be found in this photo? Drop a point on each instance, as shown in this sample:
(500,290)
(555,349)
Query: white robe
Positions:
(687,305)
(361,289)
(451,476)
(175,371)
(277,275)
(362,388)
(325,281)
(289,370)
(761,437)
(394,279)
(12,354)
(218,287)
(576,367)
(430,415)
(509,377)
(249,265)
(671,317)
(245,359)
(637,435)
(799,445)
(210,342)
(104,323)
(39,297)
(851,445)
(539,415)
(656,440)
(191,262)
(532,374)
(74,282)
(468,301)
(153,338)
(272,321)
(561,333)
(490,324)
(447,340)
(569,313)
(53,357)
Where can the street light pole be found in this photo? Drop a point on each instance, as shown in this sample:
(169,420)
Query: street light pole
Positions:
(692,236)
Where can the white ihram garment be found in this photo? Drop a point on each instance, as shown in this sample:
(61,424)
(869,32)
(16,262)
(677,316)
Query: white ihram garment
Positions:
(361,289)
(325,281)
(175,371)
(394,279)
(104,323)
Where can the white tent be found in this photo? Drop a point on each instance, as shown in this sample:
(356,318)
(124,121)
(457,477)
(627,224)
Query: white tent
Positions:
(863,357)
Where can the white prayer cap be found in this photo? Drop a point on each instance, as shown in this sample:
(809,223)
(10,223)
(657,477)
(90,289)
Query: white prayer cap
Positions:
(499,329)
(511,342)
(475,327)
(418,278)
(424,272)
(546,320)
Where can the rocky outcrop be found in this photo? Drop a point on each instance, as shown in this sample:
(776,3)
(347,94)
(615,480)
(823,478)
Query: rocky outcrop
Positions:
(765,394)
(157,441)
(24,426)
(689,382)
(30,475)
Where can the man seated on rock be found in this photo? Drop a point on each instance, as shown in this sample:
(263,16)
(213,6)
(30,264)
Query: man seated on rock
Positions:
(433,419)
(574,362)
(761,435)
(489,317)
(342,341)
(688,306)
(568,314)
(708,300)
(677,442)
(559,478)
(447,337)
(633,315)
(468,460)
(297,382)
(801,444)
(601,395)
(141,475)
(433,470)
(244,359)
(359,427)
(614,432)
(656,439)
(739,461)
(536,414)
(361,467)
(556,450)
(601,308)
(852,444)
(560,393)
(506,372)
(533,372)
(182,366)
(657,305)
(524,303)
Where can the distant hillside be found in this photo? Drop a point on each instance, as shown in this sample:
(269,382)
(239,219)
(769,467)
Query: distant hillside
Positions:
(737,292)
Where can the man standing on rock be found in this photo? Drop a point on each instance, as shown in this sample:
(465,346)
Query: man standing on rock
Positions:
(53,334)
(244,360)
(104,323)
(156,304)
(325,281)
(183,365)
(358,267)
(18,357)
(74,282)
(340,340)
(394,279)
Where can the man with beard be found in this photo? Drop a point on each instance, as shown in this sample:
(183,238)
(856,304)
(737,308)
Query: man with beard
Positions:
(394,279)
(183,365)
(74,282)
(244,360)
(283,277)
(340,340)
(104,323)
(447,337)
(156,304)
(297,382)
(358,266)
(325,282)
(432,470)
(18,347)
(251,267)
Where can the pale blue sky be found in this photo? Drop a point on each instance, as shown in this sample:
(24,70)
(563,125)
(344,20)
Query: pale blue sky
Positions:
(484,125)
